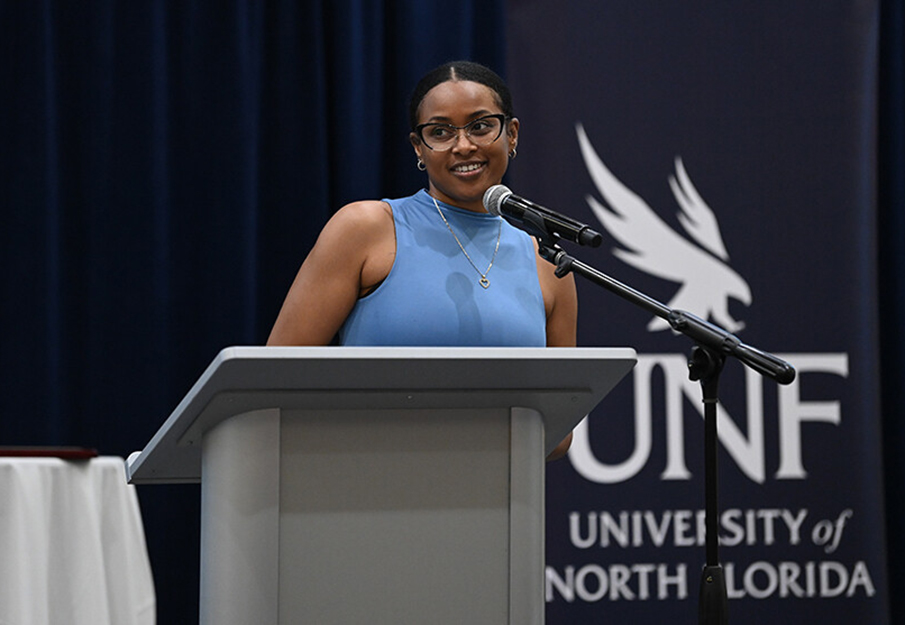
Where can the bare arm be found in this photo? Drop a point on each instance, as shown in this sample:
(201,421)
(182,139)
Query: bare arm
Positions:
(355,246)
(561,304)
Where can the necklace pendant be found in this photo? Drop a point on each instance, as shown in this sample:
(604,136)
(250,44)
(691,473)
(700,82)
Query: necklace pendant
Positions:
(484,282)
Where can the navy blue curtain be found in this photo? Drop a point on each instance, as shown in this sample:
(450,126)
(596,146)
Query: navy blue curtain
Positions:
(164,169)
(891,242)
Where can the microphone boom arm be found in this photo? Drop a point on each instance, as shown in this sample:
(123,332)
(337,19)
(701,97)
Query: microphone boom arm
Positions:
(702,332)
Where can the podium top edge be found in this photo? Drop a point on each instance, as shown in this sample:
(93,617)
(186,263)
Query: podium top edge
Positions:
(430,353)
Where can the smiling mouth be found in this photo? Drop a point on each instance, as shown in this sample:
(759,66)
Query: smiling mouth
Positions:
(467,168)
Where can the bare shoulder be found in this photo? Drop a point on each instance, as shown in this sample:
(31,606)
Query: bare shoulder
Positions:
(361,219)
(361,236)
(343,261)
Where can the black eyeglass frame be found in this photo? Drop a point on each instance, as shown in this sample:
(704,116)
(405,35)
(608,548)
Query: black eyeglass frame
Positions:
(419,129)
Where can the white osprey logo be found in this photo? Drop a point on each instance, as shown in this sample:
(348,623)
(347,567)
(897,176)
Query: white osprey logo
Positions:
(707,282)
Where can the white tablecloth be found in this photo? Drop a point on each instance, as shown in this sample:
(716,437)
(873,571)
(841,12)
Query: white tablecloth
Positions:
(72,545)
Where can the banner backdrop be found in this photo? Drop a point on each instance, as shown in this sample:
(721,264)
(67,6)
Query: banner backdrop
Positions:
(726,152)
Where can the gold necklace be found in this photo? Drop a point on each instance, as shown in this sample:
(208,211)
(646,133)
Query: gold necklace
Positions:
(484,282)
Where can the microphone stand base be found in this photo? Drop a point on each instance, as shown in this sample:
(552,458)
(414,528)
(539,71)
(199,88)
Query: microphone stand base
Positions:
(713,603)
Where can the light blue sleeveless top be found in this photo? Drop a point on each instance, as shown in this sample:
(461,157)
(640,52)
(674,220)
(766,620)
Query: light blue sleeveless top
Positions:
(432,295)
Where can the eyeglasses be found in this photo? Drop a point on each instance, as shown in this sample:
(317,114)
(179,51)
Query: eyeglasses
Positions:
(482,132)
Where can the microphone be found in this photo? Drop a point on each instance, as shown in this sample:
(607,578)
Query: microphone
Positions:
(535,219)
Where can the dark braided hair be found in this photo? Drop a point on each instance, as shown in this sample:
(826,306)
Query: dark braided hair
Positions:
(455,71)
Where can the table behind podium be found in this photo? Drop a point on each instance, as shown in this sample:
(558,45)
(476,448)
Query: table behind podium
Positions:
(72,546)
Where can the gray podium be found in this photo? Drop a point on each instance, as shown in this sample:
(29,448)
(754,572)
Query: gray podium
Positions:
(375,485)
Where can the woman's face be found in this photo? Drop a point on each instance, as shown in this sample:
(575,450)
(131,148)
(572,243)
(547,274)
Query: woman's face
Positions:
(460,175)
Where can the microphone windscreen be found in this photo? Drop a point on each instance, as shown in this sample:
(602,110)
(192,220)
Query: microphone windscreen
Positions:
(493,198)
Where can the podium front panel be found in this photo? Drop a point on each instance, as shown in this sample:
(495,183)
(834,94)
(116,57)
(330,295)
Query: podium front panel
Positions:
(396,517)
(382,517)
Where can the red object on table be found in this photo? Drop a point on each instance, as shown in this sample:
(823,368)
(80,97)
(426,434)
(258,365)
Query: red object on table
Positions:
(66,453)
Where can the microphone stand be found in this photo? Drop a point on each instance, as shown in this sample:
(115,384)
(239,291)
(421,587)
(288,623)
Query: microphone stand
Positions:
(712,346)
